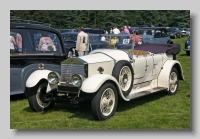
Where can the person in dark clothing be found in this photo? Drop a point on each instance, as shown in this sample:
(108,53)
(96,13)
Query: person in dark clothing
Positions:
(130,30)
(123,39)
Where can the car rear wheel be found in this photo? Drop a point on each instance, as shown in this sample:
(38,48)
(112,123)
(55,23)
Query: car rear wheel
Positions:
(174,36)
(123,72)
(188,53)
(173,81)
(70,54)
(38,99)
(104,103)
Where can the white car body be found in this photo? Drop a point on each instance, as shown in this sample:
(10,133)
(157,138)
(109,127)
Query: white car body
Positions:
(143,72)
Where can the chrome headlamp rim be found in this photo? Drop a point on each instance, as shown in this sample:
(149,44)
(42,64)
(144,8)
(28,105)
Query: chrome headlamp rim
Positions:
(53,80)
(75,82)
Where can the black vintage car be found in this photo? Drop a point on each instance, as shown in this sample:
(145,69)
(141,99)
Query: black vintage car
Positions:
(94,41)
(28,59)
(174,32)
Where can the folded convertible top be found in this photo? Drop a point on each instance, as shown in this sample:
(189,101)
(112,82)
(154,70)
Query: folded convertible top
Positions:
(159,48)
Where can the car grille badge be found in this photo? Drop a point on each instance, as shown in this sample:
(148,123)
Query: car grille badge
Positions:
(67,82)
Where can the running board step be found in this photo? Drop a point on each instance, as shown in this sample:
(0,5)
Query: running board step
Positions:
(144,92)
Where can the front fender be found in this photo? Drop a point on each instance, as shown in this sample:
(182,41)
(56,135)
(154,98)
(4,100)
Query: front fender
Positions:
(36,76)
(163,78)
(94,82)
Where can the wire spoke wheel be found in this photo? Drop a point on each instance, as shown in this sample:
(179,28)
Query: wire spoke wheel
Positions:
(107,102)
(173,82)
(41,91)
(104,102)
(125,78)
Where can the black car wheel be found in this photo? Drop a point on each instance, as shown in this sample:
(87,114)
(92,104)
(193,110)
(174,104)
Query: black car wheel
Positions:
(188,53)
(70,54)
(174,36)
(38,99)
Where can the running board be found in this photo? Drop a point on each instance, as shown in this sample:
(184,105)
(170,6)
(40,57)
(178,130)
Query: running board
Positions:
(144,92)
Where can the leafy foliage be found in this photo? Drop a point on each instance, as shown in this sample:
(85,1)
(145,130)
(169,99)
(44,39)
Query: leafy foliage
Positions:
(106,19)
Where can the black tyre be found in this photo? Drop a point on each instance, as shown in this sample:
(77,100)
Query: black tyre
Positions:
(173,81)
(188,53)
(123,72)
(70,54)
(38,98)
(175,37)
(104,103)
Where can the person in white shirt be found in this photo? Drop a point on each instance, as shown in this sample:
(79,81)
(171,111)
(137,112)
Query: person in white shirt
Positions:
(116,30)
(103,38)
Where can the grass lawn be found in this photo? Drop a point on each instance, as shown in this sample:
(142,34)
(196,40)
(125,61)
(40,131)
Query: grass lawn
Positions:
(155,111)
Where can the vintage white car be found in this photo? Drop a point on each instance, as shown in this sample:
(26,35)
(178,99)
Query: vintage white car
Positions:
(102,76)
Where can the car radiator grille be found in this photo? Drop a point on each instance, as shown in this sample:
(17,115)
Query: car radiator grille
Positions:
(67,70)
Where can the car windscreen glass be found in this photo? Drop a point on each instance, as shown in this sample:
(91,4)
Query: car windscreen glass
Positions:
(35,41)
(123,42)
(171,29)
(70,37)
(146,32)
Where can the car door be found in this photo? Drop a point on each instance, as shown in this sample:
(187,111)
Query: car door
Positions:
(139,66)
(157,63)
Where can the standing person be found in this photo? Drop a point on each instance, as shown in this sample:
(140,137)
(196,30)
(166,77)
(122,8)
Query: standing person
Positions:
(103,38)
(116,30)
(19,42)
(12,43)
(126,30)
(137,37)
(82,42)
(123,39)
(130,30)
(111,31)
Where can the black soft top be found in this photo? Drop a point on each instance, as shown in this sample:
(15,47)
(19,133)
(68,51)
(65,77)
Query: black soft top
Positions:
(172,49)
(159,48)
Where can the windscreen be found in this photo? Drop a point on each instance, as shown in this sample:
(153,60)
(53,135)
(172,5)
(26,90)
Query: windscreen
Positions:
(122,41)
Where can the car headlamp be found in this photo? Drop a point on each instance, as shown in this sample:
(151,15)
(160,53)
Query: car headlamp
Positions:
(53,77)
(77,80)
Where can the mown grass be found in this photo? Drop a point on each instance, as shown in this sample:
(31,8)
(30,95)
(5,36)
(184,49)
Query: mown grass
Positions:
(152,112)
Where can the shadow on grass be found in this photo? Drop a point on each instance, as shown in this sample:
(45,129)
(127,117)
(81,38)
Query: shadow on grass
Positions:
(184,55)
(17,97)
(79,111)
(83,110)
(125,105)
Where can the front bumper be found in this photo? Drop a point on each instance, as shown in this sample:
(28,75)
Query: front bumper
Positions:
(68,89)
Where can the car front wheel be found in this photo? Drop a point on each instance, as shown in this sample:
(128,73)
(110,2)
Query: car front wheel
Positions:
(70,54)
(104,103)
(175,37)
(38,99)
(173,81)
